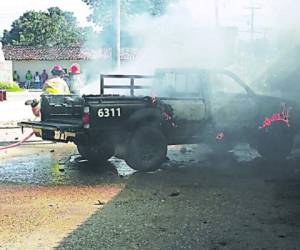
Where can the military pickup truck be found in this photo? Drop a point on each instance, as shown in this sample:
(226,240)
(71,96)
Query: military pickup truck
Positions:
(175,106)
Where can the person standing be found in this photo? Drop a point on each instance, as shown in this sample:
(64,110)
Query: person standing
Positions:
(16,77)
(75,81)
(56,85)
(37,80)
(44,77)
(28,79)
(53,86)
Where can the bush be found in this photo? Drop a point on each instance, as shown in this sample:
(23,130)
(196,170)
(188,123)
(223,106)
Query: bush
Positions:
(10,86)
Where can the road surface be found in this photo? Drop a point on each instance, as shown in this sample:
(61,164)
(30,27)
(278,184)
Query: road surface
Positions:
(51,198)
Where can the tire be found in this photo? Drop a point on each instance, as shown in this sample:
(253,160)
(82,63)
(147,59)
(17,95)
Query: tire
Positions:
(147,149)
(95,154)
(275,142)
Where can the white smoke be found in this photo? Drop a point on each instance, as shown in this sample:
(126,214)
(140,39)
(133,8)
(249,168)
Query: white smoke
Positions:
(181,38)
(187,36)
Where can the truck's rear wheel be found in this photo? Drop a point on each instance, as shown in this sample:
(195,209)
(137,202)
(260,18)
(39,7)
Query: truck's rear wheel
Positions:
(95,154)
(147,149)
(275,142)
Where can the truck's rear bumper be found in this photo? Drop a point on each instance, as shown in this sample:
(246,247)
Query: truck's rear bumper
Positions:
(50,126)
(52,130)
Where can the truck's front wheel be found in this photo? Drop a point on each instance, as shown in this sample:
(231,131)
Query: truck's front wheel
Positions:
(275,142)
(147,149)
(95,153)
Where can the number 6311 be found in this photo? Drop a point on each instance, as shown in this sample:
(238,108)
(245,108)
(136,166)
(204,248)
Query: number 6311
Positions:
(109,112)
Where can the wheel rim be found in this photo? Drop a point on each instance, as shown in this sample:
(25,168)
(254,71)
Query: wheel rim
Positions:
(147,149)
(275,142)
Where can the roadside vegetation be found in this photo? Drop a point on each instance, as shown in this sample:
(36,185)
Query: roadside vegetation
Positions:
(51,28)
(10,86)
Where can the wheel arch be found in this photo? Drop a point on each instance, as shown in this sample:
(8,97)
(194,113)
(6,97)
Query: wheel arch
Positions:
(145,117)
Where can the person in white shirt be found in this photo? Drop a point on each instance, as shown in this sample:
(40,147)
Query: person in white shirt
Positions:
(37,80)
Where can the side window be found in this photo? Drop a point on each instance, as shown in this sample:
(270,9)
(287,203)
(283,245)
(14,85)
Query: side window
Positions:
(167,79)
(178,85)
(195,85)
(223,84)
(164,84)
(189,85)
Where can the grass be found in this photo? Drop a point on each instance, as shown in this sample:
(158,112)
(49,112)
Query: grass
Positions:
(10,86)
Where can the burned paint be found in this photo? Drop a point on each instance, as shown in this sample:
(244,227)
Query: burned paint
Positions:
(167,117)
(282,116)
(153,100)
(220,136)
(189,110)
(166,109)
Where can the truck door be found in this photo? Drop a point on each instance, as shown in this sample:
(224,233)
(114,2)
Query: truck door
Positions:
(232,106)
(186,94)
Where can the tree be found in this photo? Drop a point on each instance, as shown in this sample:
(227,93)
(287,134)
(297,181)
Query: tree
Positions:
(51,28)
(108,13)
(102,9)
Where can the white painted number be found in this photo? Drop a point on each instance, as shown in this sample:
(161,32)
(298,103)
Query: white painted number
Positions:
(109,112)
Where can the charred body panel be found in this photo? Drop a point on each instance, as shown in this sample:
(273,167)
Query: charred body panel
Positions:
(187,109)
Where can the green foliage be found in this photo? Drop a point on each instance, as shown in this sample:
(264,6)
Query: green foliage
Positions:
(51,28)
(10,86)
(102,9)
(102,15)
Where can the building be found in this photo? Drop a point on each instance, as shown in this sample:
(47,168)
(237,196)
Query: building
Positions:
(5,68)
(92,61)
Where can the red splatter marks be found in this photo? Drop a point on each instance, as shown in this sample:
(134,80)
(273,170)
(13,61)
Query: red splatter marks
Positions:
(282,116)
(220,136)
(169,117)
(166,112)
(154,100)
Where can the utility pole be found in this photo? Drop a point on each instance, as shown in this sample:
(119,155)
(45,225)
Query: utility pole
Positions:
(116,50)
(217,13)
(253,9)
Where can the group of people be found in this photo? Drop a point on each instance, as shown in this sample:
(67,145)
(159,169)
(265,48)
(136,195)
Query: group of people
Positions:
(60,84)
(31,81)
(38,80)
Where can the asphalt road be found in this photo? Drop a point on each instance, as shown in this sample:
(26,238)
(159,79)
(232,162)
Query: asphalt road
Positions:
(197,201)
(215,204)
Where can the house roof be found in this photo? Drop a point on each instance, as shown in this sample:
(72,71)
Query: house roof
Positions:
(16,53)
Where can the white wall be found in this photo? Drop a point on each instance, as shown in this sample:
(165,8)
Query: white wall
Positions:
(6,71)
(89,67)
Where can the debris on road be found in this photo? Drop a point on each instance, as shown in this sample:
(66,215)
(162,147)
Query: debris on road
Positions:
(174,194)
(99,203)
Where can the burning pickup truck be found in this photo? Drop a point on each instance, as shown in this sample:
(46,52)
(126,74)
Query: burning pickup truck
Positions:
(180,106)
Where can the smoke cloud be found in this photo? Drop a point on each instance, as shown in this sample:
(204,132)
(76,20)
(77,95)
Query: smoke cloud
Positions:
(180,39)
(188,36)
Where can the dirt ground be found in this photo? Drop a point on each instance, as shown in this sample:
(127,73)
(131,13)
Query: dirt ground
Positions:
(35,217)
(197,201)
(41,202)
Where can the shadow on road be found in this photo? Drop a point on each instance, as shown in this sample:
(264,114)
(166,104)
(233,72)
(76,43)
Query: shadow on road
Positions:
(220,204)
